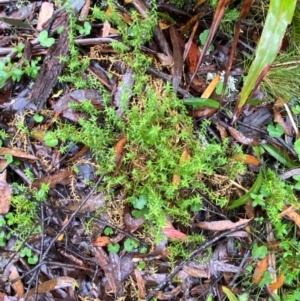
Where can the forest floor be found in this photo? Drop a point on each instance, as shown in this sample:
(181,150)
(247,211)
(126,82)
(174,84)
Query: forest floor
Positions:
(132,165)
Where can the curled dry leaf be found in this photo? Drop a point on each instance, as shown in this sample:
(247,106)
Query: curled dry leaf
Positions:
(185,157)
(239,137)
(174,234)
(55,283)
(101,241)
(222,225)
(260,269)
(119,147)
(278,284)
(292,214)
(45,14)
(16,153)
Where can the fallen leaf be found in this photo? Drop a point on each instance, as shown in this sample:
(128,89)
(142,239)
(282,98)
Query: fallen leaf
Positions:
(119,147)
(292,214)
(45,14)
(5,190)
(260,269)
(247,159)
(55,283)
(101,241)
(92,204)
(18,285)
(211,87)
(222,225)
(278,284)
(172,233)
(140,284)
(16,153)
(62,177)
(239,137)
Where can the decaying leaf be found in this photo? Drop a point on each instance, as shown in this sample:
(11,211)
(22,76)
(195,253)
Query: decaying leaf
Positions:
(5,190)
(222,225)
(16,153)
(55,283)
(62,177)
(92,204)
(18,285)
(45,14)
(292,214)
(278,284)
(247,159)
(260,269)
(101,241)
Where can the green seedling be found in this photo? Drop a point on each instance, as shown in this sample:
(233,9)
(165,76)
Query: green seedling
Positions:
(108,231)
(31,258)
(259,252)
(130,244)
(113,248)
(51,140)
(44,39)
(275,131)
(38,118)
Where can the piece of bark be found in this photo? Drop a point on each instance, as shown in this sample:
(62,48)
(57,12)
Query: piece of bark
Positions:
(52,67)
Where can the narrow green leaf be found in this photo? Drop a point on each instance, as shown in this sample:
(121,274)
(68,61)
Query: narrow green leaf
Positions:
(254,189)
(280,14)
(279,156)
(198,102)
(230,295)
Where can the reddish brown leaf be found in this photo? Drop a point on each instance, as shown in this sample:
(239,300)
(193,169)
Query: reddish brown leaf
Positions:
(101,241)
(140,284)
(292,214)
(193,57)
(278,284)
(55,283)
(85,10)
(239,137)
(119,147)
(5,190)
(247,159)
(62,177)
(18,285)
(260,269)
(16,153)
(222,225)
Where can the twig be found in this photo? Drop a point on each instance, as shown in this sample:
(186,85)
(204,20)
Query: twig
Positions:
(192,255)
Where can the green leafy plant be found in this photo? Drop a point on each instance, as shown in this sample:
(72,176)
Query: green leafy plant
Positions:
(113,248)
(259,252)
(275,131)
(130,244)
(31,258)
(45,40)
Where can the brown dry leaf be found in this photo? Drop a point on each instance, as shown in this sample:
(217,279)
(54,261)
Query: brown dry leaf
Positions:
(211,87)
(62,177)
(193,57)
(249,209)
(55,283)
(239,137)
(222,130)
(165,60)
(206,112)
(18,285)
(16,153)
(222,225)
(119,147)
(292,214)
(279,119)
(92,204)
(278,284)
(173,234)
(140,284)
(85,10)
(101,241)
(199,3)
(45,14)
(201,271)
(163,25)
(247,159)
(132,224)
(106,29)
(5,190)
(185,157)
(260,269)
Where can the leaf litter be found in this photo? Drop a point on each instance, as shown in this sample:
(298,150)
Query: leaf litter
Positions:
(127,262)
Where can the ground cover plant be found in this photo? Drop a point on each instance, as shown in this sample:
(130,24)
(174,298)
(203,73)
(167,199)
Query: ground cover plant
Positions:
(149,150)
